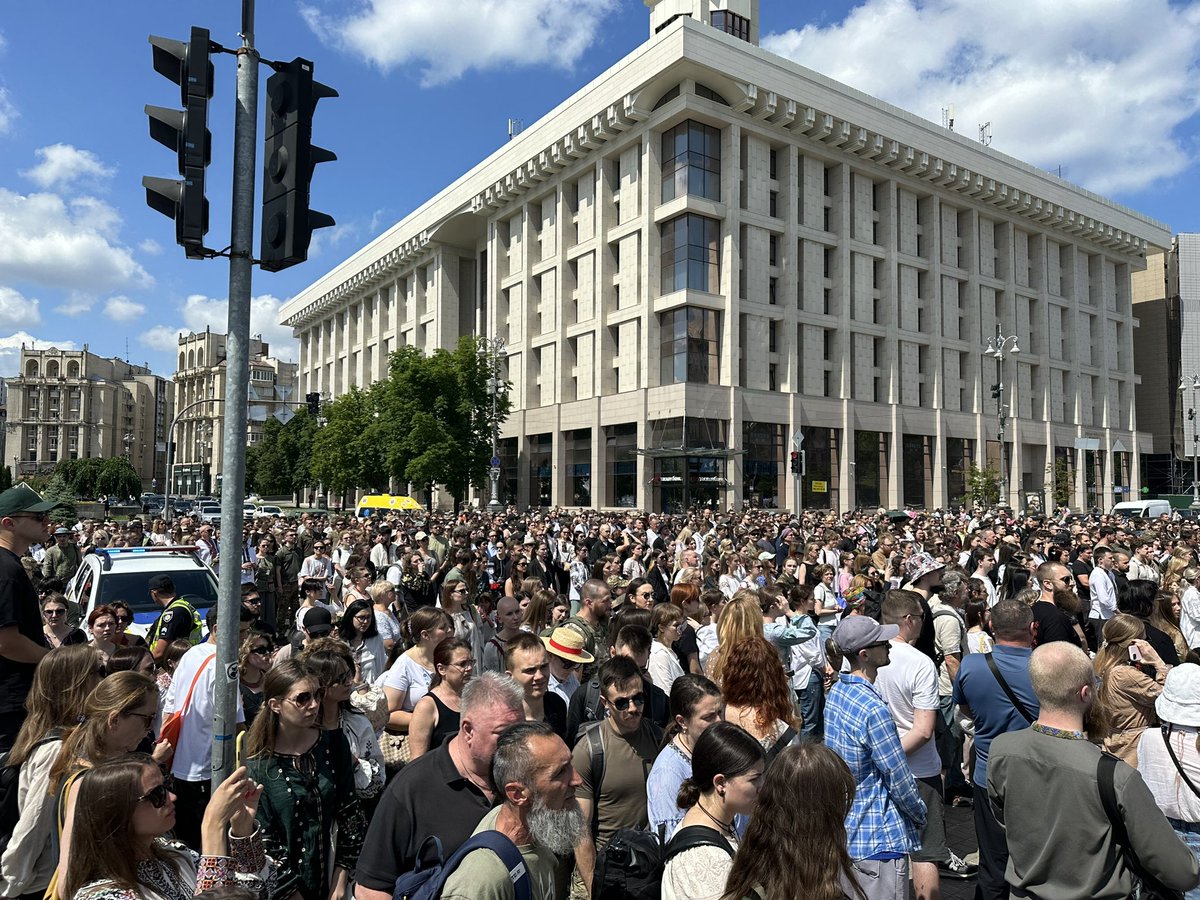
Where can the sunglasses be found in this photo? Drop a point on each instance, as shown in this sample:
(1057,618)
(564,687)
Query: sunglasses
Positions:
(622,703)
(158,795)
(568,664)
(54,612)
(261,651)
(307,698)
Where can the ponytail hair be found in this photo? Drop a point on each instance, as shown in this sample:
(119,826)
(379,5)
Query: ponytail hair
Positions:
(424,619)
(723,749)
(686,693)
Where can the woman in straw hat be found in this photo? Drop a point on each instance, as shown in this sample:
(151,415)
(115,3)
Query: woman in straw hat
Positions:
(1169,756)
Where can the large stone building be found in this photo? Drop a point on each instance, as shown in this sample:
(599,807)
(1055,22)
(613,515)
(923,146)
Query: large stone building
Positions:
(709,249)
(72,404)
(199,396)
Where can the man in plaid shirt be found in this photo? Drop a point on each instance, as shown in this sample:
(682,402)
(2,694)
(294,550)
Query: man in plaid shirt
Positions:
(884,823)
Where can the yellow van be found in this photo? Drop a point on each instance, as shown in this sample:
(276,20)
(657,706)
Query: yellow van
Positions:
(372,504)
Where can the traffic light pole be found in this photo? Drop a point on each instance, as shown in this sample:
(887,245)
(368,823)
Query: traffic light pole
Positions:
(237,367)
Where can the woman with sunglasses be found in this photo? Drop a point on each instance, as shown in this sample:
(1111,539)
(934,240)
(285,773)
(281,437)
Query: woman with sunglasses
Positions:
(124,616)
(54,615)
(332,664)
(357,628)
(307,775)
(383,596)
(520,568)
(117,715)
(103,625)
(120,853)
(464,617)
(61,684)
(254,661)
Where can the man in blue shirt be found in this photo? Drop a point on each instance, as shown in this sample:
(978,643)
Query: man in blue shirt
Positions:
(980,695)
(884,822)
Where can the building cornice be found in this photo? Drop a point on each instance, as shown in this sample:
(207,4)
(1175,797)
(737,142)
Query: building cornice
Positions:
(869,129)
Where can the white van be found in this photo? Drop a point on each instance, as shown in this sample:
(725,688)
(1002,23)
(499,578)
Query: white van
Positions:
(1143,509)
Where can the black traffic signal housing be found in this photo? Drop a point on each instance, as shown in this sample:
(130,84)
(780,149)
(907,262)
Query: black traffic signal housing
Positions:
(997,390)
(289,159)
(795,462)
(314,403)
(186,132)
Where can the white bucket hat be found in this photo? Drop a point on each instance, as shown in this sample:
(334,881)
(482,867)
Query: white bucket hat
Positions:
(1179,702)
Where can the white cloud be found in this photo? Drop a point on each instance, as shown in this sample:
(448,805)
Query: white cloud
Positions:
(17,311)
(200,312)
(10,350)
(122,309)
(61,164)
(61,244)
(1063,82)
(75,305)
(8,112)
(150,247)
(162,338)
(447,39)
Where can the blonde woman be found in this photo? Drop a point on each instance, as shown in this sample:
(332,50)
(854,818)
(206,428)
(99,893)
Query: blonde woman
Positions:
(1125,698)
(740,619)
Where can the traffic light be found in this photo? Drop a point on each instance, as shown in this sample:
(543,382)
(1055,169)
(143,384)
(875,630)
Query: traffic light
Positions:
(795,462)
(289,158)
(997,389)
(314,403)
(186,132)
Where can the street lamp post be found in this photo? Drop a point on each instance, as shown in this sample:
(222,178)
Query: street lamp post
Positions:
(1191,414)
(494,353)
(168,512)
(998,348)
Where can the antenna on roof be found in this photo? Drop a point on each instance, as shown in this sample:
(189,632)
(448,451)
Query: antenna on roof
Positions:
(515,127)
(948,116)
(985,134)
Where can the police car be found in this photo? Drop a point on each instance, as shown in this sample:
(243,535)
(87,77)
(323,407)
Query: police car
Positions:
(121,573)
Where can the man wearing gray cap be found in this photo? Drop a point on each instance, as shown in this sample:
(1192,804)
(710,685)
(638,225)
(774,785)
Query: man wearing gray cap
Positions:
(24,521)
(61,560)
(887,815)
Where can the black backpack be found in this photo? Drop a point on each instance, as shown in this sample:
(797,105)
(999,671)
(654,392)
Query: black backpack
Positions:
(631,865)
(10,778)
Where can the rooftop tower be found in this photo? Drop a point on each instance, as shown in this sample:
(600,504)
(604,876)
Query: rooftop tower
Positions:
(736,17)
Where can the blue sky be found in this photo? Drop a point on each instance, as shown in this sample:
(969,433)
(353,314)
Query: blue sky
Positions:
(1106,89)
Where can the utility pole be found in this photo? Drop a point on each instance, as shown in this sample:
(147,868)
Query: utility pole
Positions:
(237,367)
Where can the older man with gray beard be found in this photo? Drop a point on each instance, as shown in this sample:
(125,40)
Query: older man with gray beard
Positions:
(533,774)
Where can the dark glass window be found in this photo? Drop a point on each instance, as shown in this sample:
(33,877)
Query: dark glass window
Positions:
(691,161)
(691,254)
(732,23)
(691,346)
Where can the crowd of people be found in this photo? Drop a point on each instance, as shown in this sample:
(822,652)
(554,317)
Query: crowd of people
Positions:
(759,705)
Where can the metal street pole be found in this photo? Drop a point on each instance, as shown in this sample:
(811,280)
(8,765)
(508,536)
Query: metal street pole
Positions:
(996,348)
(494,347)
(168,513)
(237,367)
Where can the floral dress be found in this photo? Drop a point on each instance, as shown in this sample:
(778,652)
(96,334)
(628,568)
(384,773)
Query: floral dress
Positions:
(178,873)
(303,798)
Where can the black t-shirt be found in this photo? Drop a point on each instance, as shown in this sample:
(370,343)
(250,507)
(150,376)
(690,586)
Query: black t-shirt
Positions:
(1079,567)
(427,797)
(554,709)
(686,645)
(19,608)
(1053,624)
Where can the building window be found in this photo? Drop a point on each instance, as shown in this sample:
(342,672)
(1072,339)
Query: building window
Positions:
(620,454)
(732,23)
(691,161)
(691,254)
(691,346)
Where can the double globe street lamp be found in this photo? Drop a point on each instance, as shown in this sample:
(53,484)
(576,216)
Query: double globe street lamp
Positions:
(999,348)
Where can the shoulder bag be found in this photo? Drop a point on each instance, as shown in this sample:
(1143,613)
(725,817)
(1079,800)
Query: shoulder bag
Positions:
(1145,885)
(172,727)
(1008,691)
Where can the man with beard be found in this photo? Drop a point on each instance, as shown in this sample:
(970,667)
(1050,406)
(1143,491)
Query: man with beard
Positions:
(533,775)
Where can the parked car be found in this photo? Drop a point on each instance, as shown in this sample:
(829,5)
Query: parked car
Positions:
(266,511)
(208,512)
(1143,509)
(121,573)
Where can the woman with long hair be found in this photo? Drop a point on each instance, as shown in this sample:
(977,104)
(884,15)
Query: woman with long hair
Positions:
(740,619)
(415,589)
(465,620)
(307,775)
(726,771)
(102,622)
(978,619)
(1125,698)
(436,715)
(358,629)
(757,695)
(512,584)
(54,614)
(537,614)
(696,704)
(1165,617)
(133,658)
(120,852)
(387,623)
(254,660)
(61,684)
(666,620)
(730,581)
(407,681)
(332,664)
(795,845)
(117,715)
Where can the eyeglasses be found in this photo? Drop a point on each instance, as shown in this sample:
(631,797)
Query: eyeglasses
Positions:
(261,651)
(460,591)
(39,517)
(878,644)
(148,718)
(158,795)
(308,698)
(54,612)
(464,665)
(366,617)
(622,703)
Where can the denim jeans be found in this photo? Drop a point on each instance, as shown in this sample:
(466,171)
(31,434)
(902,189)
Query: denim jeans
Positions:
(1189,833)
(812,707)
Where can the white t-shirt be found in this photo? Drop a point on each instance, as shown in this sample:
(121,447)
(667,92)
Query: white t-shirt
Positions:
(193,756)
(406,674)
(908,683)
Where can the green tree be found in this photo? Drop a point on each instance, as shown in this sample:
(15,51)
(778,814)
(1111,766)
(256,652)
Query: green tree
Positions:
(1063,482)
(346,452)
(6,479)
(118,478)
(280,462)
(983,486)
(58,491)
